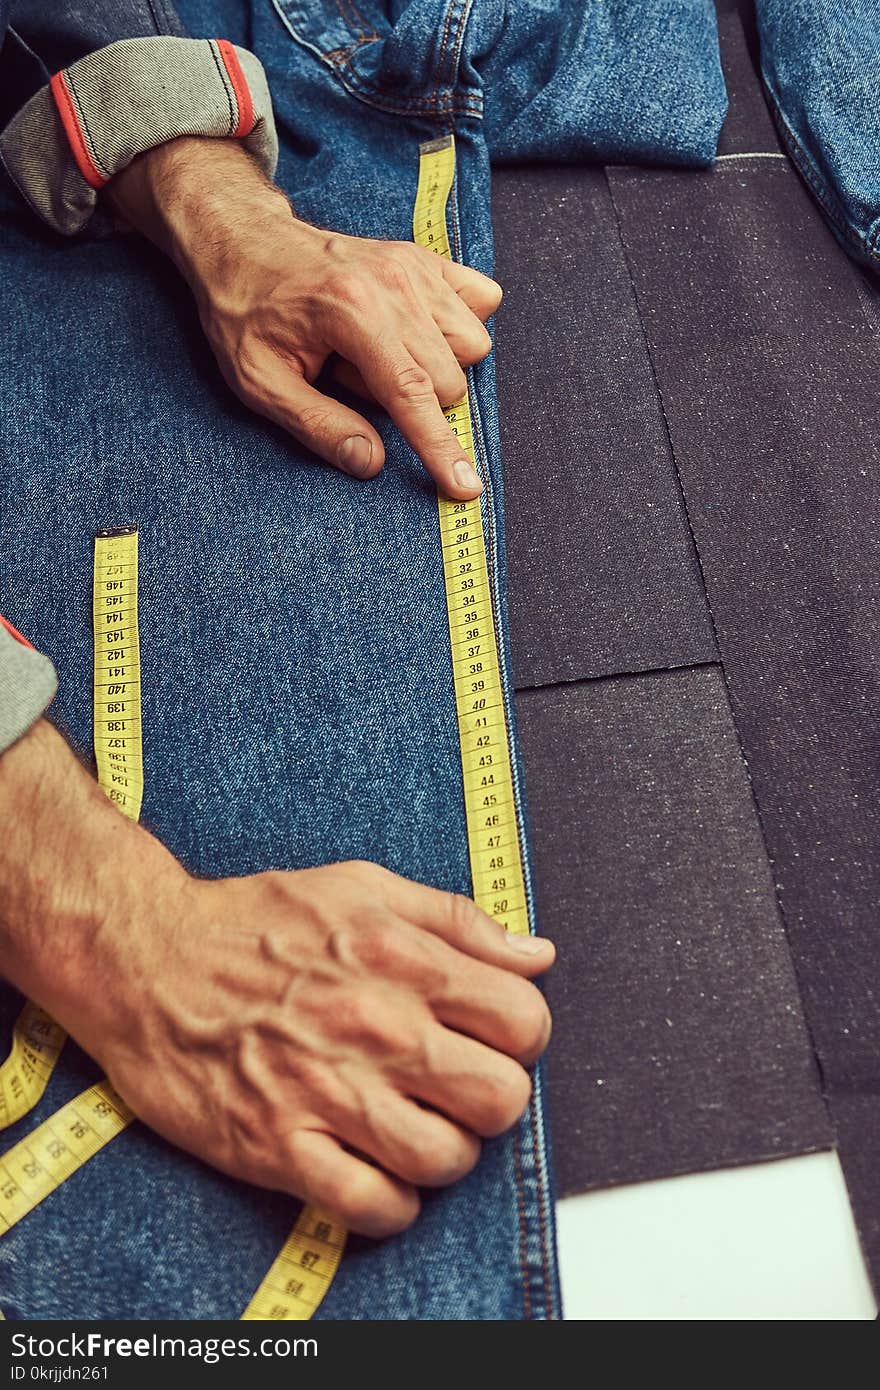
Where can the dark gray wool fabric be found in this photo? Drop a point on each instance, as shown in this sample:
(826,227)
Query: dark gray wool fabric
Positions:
(707,421)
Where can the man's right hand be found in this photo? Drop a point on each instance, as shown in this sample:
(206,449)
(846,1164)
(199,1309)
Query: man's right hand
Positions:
(338,1033)
(278,298)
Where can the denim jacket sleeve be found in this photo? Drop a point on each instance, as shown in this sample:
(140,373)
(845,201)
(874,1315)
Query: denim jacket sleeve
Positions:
(27,684)
(126,78)
(86,88)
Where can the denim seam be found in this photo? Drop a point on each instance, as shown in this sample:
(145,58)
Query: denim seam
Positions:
(488,512)
(537,1137)
(811,175)
(872,238)
(722,666)
(463,18)
(437,73)
(363,28)
(437,106)
(464,13)
(542,1213)
(539,1155)
(153,11)
(441,102)
(523,1228)
(439,85)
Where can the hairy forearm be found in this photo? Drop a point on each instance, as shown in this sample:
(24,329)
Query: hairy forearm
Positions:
(70,865)
(195,198)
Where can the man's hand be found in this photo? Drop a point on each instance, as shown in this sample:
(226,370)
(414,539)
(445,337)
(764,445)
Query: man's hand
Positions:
(277,297)
(338,1033)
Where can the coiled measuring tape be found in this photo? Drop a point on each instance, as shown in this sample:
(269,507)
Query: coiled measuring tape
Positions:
(37,1041)
(300,1276)
(44,1159)
(39,1163)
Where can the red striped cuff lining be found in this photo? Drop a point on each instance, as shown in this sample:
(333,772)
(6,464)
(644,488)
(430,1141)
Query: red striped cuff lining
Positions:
(14,632)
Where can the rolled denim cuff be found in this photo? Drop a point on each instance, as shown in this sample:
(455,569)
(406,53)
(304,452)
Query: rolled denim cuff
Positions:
(27,685)
(97,115)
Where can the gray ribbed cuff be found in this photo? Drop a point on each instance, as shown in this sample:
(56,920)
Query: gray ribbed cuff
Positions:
(97,115)
(27,687)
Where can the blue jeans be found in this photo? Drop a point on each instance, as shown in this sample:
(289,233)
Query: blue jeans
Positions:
(297,692)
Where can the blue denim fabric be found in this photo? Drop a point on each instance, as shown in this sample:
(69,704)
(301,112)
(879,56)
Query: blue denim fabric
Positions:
(821,67)
(616,80)
(296,679)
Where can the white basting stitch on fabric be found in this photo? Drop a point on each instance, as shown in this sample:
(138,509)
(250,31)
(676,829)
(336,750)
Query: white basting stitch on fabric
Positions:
(753,155)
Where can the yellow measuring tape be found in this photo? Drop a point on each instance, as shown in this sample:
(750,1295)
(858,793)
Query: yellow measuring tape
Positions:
(119,752)
(498,886)
(300,1276)
(36,1045)
(37,1040)
(41,1162)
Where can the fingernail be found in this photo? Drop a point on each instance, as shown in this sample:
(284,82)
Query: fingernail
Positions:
(356,454)
(528,945)
(466,474)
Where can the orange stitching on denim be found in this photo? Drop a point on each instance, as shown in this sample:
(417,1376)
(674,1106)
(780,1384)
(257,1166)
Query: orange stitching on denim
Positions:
(549,1301)
(438,104)
(542,1214)
(523,1229)
(456,56)
(366,26)
(437,76)
(372,94)
(350,20)
(451,101)
(520,1186)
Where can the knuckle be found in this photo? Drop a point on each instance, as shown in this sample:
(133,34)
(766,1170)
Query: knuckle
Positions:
(380,1022)
(377,945)
(292,1161)
(366,870)
(391,273)
(529,1021)
(347,287)
(454,388)
(356,1199)
(362,1206)
(411,382)
(462,914)
(410,250)
(311,420)
(504,1097)
(444,1160)
(408,256)
(478,344)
